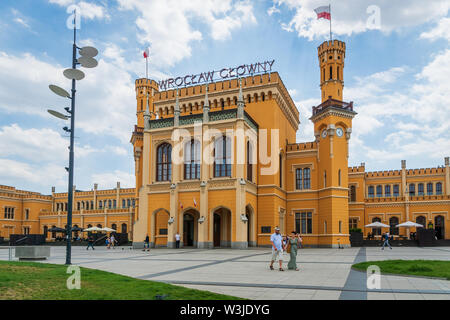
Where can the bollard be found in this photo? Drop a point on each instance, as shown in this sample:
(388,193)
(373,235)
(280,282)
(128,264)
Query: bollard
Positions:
(10,253)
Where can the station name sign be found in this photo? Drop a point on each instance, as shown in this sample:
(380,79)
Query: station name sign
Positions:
(210,76)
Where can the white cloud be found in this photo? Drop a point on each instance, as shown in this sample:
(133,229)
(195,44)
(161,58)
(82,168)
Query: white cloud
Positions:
(109,180)
(22,22)
(171,26)
(441,31)
(87,10)
(355,16)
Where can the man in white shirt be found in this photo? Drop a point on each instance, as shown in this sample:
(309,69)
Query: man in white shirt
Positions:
(277,247)
(177,240)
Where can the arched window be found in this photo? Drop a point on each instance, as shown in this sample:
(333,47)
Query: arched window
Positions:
(100,204)
(114,204)
(337,74)
(352,193)
(331,72)
(420,190)
(263,96)
(114,226)
(109,204)
(421,220)
(371,191)
(412,189)
(128,203)
(124,203)
(99,225)
(53,232)
(222,103)
(339,177)
(393,230)
(45,231)
(249,161)
(298,178)
(396,190)
(438,188)
(222,157)
(164,162)
(124,228)
(192,160)
(429,189)
(376,231)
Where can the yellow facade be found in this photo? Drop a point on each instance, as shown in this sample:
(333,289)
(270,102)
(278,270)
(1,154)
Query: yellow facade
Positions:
(219,164)
(25,212)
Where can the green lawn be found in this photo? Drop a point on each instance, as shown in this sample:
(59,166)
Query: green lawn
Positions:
(30,280)
(428,268)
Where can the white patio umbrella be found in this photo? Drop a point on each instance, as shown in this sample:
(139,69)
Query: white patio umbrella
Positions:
(92,229)
(108,229)
(377,225)
(409,224)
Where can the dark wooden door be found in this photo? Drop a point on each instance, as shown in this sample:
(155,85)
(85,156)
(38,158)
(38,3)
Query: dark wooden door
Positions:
(216,230)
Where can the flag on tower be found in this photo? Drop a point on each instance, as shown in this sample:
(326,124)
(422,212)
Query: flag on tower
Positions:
(195,203)
(147,53)
(323,12)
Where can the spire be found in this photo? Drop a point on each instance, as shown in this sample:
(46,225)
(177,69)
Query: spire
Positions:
(240,102)
(147,115)
(241,97)
(177,112)
(206,107)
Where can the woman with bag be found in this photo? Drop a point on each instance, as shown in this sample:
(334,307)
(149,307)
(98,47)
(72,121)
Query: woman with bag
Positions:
(293,246)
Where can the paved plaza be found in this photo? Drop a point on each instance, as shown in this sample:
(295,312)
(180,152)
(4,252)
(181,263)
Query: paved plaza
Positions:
(324,273)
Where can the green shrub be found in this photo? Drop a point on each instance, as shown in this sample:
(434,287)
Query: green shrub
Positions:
(358,230)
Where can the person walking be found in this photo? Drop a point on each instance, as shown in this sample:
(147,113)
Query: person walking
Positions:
(112,241)
(177,240)
(277,248)
(293,245)
(147,243)
(90,242)
(386,241)
(108,242)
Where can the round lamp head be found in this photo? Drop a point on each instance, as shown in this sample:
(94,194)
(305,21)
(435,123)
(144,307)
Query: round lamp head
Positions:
(59,91)
(87,62)
(73,74)
(89,52)
(58,114)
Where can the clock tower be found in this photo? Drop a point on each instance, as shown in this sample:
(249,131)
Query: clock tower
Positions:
(332,127)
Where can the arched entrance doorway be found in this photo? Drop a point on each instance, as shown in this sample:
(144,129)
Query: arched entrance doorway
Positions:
(439,227)
(222,227)
(190,228)
(160,224)
(251,238)
(421,220)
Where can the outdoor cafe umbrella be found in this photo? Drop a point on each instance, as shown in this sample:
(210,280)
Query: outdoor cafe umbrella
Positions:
(409,224)
(377,225)
(93,229)
(108,229)
(77,229)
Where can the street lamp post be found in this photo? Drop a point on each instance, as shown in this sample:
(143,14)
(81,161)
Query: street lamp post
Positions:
(86,60)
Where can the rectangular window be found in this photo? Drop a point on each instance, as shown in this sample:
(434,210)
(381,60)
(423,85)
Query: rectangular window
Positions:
(379,191)
(163,232)
(298,179)
(396,190)
(353,223)
(266,229)
(371,192)
(27,214)
(303,222)
(438,188)
(307,178)
(412,190)
(9,213)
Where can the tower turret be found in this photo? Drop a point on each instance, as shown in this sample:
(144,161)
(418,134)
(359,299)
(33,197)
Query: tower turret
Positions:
(331,60)
(145,90)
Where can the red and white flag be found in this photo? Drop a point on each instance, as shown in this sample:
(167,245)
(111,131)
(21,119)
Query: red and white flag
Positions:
(323,12)
(195,203)
(147,53)
(181,205)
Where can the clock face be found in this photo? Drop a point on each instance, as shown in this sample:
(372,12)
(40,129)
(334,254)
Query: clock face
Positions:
(324,133)
(339,132)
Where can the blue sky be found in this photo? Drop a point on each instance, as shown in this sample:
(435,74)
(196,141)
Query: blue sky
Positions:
(396,73)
